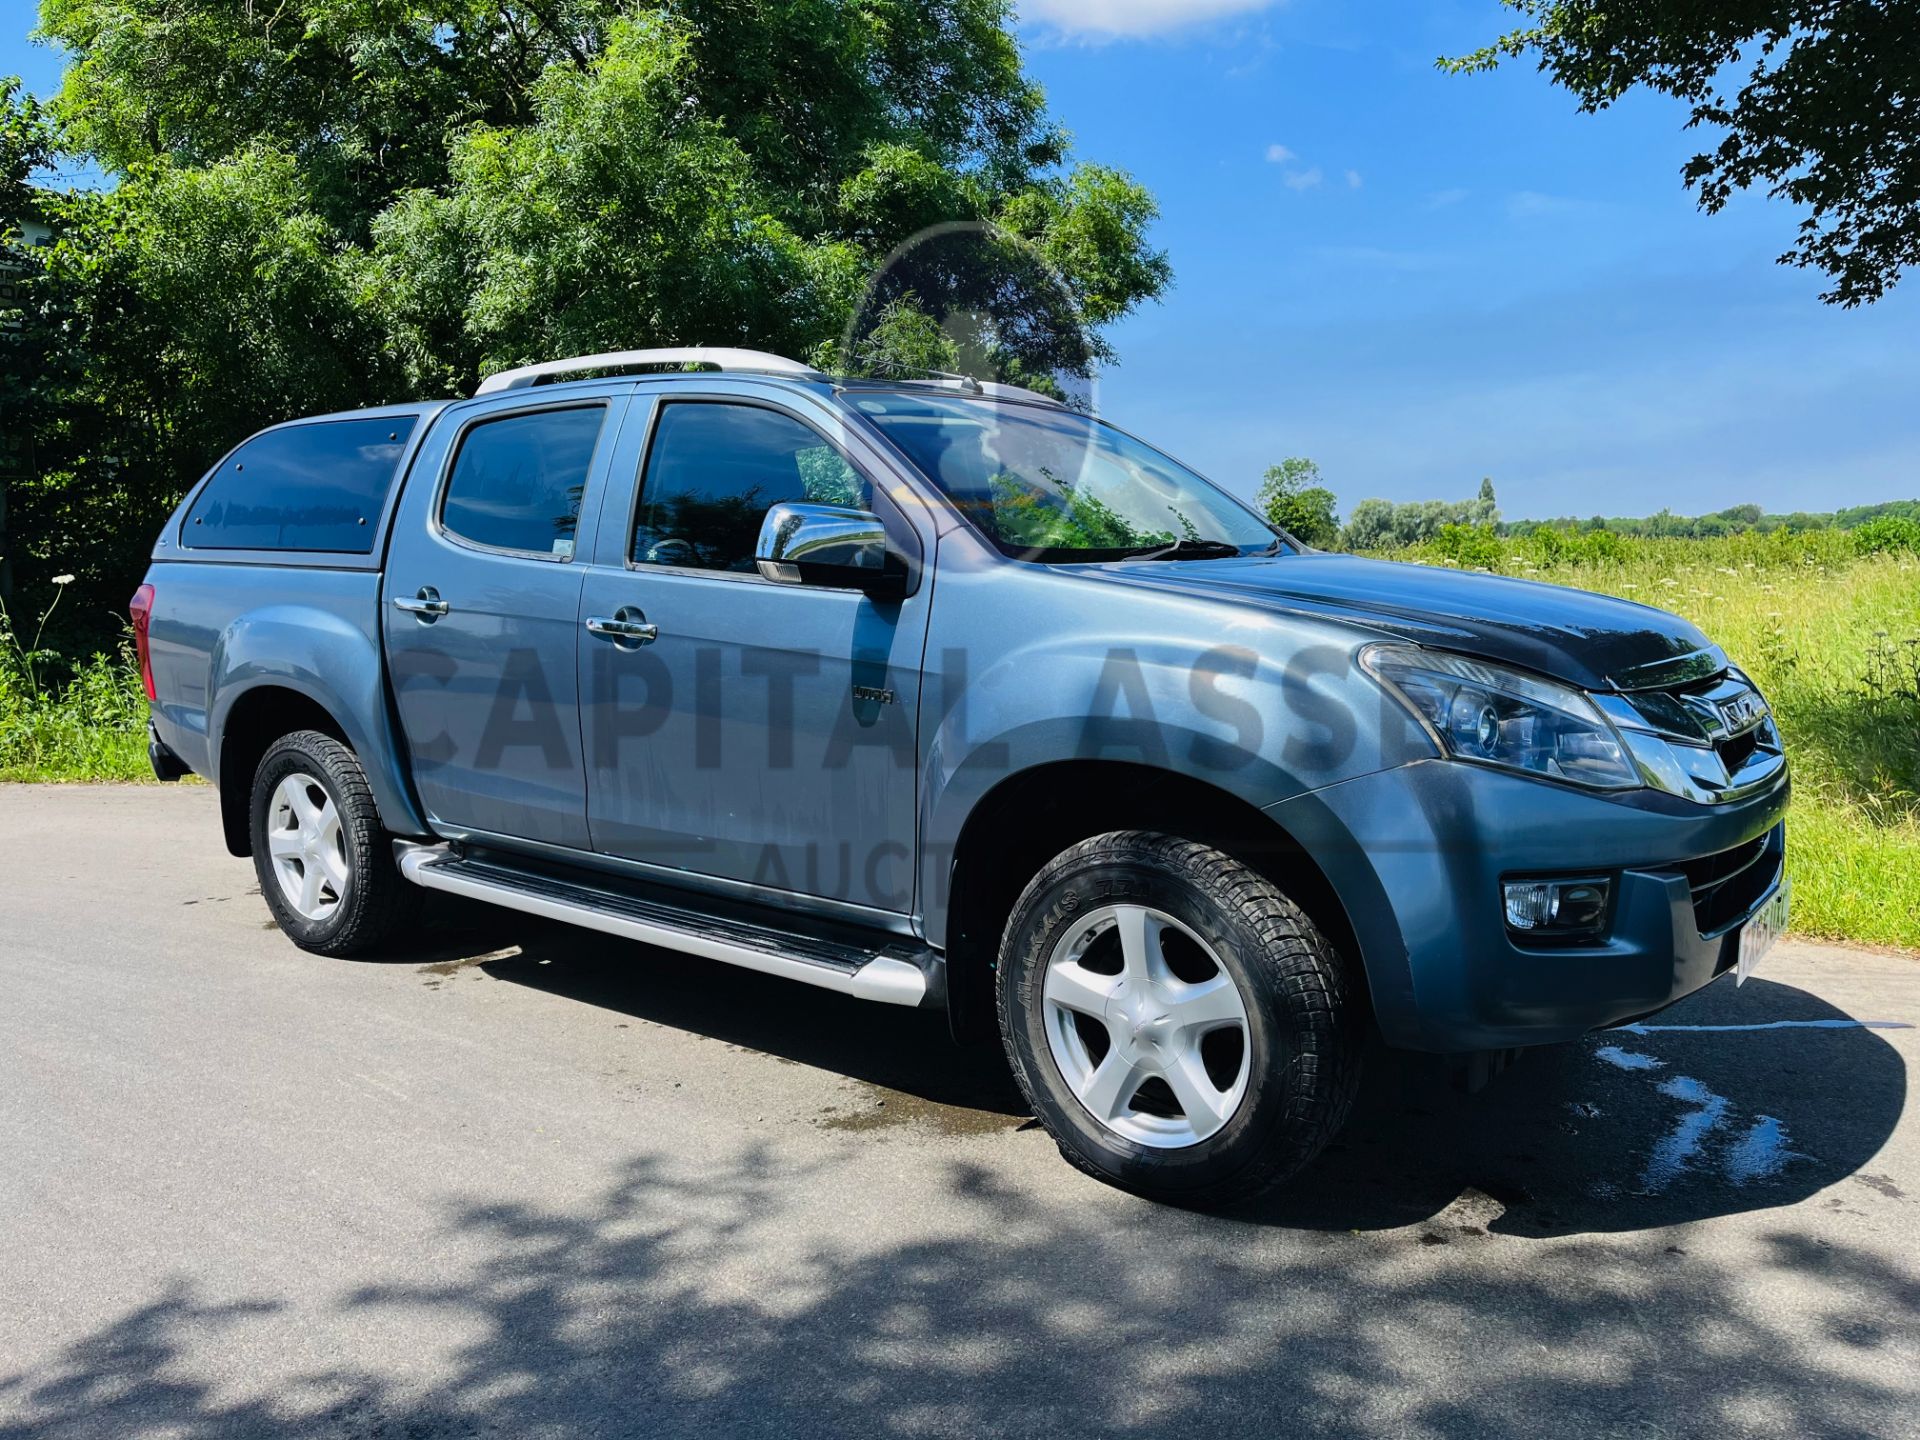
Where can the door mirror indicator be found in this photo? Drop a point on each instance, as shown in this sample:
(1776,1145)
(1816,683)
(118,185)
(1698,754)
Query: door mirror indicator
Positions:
(808,544)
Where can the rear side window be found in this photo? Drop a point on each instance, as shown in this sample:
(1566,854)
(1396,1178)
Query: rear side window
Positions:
(716,469)
(517,482)
(302,487)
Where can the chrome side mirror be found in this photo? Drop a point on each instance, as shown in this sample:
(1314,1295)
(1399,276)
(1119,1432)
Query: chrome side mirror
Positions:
(806,544)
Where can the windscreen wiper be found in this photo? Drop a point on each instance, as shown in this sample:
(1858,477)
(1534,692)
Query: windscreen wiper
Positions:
(1190,550)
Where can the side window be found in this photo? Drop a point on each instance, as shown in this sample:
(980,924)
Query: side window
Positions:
(715,469)
(517,481)
(302,487)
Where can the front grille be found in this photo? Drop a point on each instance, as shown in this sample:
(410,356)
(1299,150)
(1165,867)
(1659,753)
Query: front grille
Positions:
(1737,751)
(1721,733)
(1727,886)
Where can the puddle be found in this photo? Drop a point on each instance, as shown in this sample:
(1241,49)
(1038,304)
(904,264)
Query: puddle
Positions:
(446,968)
(1761,1153)
(878,1108)
(1626,1059)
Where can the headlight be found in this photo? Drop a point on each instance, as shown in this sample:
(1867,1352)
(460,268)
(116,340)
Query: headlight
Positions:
(1496,716)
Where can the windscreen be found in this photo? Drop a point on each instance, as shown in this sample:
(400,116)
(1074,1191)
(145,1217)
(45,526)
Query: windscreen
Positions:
(1053,485)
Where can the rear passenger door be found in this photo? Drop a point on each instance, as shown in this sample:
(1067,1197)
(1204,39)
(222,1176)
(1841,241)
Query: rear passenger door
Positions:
(481,612)
(762,742)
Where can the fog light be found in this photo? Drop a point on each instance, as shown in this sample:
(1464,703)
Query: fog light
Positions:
(1559,909)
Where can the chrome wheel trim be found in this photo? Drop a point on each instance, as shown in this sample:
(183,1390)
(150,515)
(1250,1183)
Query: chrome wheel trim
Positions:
(307,846)
(1154,1024)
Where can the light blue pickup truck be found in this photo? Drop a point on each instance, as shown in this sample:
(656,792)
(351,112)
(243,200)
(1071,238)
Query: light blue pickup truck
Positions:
(940,693)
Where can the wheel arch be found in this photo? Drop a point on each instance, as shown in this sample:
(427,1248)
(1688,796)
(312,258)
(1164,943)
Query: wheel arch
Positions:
(290,666)
(254,721)
(1033,815)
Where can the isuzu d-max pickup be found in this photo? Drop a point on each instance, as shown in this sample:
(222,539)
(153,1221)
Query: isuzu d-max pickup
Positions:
(939,693)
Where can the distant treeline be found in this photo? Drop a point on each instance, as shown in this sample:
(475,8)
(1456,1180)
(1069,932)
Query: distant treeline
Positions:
(1293,496)
(1734,520)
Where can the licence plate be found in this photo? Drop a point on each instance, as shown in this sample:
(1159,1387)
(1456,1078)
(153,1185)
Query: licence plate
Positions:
(1762,931)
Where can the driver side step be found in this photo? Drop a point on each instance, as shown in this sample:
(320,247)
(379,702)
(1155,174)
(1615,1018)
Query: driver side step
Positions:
(868,966)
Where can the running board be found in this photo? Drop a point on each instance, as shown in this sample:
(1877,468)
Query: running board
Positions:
(895,973)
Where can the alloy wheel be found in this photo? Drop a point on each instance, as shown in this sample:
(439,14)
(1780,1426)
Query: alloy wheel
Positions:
(1147,1027)
(308,846)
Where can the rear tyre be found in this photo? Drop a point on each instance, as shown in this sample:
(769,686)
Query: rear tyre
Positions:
(1180,1026)
(325,864)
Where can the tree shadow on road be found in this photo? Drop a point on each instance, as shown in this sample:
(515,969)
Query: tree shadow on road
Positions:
(1574,1139)
(671,1305)
(1620,1131)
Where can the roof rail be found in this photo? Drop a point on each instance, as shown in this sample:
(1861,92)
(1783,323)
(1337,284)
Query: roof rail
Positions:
(918,375)
(720,358)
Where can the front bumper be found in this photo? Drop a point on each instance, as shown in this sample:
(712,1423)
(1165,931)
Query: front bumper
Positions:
(1417,856)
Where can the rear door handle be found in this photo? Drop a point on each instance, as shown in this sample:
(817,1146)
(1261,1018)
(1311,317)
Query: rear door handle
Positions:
(427,605)
(627,628)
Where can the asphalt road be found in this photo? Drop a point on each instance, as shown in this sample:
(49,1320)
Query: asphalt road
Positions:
(524,1181)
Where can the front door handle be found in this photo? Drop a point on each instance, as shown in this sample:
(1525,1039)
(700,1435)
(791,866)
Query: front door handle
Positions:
(426,606)
(626,627)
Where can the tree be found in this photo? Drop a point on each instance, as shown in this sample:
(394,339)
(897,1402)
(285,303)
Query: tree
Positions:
(26,143)
(1383,525)
(327,203)
(1813,100)
(1292,497)
(1485,509)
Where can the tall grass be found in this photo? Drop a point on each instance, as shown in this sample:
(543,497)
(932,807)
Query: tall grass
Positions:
(65,720)
(1832,636)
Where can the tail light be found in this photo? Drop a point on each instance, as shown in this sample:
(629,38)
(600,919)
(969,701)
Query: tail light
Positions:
(141,609)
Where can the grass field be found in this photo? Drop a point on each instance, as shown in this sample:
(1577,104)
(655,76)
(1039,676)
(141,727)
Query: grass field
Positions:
(1831,636)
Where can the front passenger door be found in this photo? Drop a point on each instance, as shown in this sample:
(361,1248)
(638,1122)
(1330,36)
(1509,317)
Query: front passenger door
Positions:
(764,741)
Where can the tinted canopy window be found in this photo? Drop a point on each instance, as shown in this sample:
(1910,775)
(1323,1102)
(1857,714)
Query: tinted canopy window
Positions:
(518,481)
(716,469)
(304,487)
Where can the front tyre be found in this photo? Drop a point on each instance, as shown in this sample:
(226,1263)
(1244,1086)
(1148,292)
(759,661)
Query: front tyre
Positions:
(1180,1026)
(325,864)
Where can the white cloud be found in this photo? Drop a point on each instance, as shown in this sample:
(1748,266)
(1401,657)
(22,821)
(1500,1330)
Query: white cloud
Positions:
(1372,257)
(1132,18)
(1441,199)
(1278,154)
(1354,180)
(1304,179)
(1533,205)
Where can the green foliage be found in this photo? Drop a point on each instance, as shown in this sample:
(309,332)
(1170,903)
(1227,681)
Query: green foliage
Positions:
(320,204)
(68,722)
(1734,520)
(28,141)
(91,727)
(1292,497)
(1889,533)
(1471,547)
(619,212)
(1383,525)
(906,340)
(1812,103)
(1024,516)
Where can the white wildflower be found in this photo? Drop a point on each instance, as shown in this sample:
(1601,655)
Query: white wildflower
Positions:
(63,579)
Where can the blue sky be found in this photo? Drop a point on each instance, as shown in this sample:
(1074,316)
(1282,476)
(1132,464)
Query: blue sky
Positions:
(1418,280)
